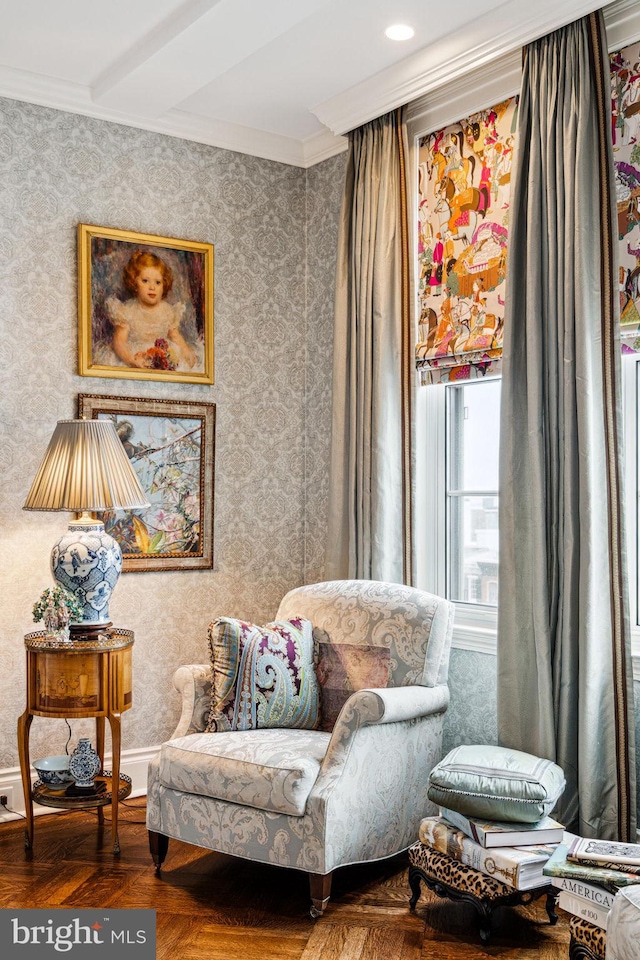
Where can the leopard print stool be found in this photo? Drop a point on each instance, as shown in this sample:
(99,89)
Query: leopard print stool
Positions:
(588,942)
(449,878)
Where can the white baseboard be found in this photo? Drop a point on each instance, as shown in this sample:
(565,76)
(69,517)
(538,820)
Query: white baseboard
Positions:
(133,763)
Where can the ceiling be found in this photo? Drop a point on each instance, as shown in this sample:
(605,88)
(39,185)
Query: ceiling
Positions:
(280,79)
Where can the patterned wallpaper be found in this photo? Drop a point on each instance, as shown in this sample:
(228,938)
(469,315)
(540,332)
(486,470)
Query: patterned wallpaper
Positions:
(471,717)
(273,330)
(325,183)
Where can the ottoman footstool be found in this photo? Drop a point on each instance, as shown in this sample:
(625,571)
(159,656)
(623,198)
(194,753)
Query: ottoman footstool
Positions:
(588,942)
(449,878)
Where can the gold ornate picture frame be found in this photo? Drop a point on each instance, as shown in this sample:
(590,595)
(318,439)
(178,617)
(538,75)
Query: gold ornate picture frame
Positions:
(145,306)
(171,446)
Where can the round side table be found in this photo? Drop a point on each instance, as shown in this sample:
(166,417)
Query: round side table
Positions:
(89,677)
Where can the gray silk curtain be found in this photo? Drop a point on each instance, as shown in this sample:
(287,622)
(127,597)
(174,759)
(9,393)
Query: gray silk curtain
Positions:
(564,672)
(370,478)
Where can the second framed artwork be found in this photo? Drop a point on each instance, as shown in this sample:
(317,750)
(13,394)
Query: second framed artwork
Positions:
(145,306)
(171,446)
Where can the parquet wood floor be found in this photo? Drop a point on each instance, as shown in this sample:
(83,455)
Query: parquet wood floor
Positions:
(214,907)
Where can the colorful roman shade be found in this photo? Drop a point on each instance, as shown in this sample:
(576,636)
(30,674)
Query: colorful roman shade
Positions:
(625,128)
(463,220)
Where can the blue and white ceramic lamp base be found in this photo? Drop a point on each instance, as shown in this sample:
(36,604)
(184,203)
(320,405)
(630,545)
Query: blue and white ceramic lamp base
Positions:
(87,561)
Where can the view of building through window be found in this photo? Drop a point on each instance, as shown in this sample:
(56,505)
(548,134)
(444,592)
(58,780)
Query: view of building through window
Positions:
(473,426)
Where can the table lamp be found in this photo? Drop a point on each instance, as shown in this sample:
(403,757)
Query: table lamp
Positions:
(85,468)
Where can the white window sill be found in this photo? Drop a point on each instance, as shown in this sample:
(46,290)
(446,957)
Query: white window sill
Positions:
(476,631)
(475,628)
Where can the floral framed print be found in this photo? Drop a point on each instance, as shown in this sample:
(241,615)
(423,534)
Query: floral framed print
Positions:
(145,306)
(171,446)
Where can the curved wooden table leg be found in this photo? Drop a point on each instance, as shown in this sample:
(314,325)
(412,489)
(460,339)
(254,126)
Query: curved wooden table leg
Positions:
(100,750)
(114,723)
(24,724)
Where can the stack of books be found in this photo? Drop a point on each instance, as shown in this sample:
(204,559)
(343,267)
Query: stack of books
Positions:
(512,853)
(589,873)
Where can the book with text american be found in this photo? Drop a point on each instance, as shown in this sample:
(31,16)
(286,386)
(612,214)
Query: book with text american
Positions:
(606,853)
(496,833)
(585,891)
(558,866)
(584,908)
(518,867)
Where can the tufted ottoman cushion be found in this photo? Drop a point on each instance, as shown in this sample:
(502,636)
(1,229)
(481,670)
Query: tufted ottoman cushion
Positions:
(588,942)
(623,928)
(447,877)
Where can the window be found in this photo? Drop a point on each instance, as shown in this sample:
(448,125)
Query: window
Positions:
(472,429)
(631,414)
(457,503)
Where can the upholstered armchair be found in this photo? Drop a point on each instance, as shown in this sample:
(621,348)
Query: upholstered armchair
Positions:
(315,800)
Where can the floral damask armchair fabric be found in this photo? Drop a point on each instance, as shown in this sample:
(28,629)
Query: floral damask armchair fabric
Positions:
(315,800)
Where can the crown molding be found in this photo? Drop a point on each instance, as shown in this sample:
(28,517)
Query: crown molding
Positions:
(471,71)
(466,95)
(500,79)
(321,146)
(622,20)
(76,98)
(437,67)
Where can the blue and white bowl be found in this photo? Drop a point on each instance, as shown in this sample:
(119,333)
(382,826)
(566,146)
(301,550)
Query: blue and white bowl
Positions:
(54,771)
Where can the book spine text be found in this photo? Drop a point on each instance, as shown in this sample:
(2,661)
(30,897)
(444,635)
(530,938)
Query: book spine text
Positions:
(583,908)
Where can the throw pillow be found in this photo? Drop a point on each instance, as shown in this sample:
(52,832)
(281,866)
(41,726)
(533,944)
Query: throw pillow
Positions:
(344,668)
(262,676)
(496,783)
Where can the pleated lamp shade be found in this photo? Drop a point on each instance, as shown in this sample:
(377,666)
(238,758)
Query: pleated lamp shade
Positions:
(85,468)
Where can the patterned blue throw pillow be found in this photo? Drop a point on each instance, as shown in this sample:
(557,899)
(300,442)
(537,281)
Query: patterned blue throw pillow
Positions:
(262,676)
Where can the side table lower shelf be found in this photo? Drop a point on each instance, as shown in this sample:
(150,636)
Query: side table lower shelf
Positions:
(46,796)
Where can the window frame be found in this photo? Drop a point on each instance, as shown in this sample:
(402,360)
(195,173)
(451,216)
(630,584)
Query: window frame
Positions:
(475,625)
(474,629)
(455,490)
(630,395)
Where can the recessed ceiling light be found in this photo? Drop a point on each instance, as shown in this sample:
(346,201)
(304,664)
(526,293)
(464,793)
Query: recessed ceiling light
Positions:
(399,31)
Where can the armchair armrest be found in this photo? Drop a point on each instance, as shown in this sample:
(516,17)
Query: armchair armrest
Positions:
(380,707)
(370,707)
(193,682)
(389,705)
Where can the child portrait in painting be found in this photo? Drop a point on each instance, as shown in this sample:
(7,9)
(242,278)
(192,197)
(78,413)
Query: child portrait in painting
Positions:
(146,328)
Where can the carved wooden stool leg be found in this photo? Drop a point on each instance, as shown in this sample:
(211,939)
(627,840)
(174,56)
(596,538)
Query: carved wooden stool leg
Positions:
(487,893)
(552,899)
(414,883)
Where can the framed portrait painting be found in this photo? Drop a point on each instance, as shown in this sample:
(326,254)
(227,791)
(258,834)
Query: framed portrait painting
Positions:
(145,306)
(171,446)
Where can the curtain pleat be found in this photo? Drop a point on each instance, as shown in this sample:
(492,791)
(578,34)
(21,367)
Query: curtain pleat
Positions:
(370,509)
(564,668)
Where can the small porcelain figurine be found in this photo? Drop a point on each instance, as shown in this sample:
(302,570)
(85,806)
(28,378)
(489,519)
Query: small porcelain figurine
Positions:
(56,607)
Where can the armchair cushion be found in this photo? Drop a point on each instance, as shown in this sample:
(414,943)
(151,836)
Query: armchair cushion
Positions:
(271,770)
(262,676)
